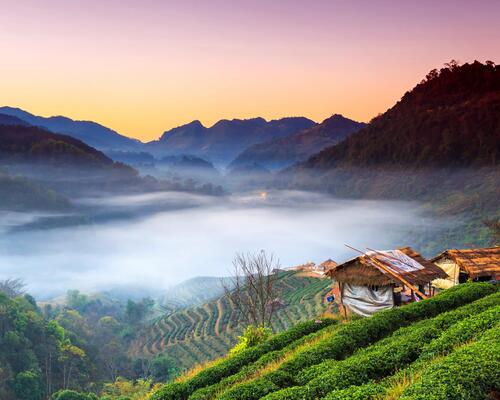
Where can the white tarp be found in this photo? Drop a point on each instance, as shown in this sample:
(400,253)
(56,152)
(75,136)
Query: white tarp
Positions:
(397,259)
(365,301)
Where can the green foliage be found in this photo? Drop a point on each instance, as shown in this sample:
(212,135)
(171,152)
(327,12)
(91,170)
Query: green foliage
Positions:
(28,386)
(195,335)
(163,368)
(389,355)
(471,372)
(251,337)
(358,334)
(233,364)
(73,395)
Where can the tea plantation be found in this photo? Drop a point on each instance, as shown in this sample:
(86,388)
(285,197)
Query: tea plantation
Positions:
(208,331)
(446,347)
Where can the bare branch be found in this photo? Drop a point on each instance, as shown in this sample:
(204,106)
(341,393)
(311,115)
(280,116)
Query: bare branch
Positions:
(254,291)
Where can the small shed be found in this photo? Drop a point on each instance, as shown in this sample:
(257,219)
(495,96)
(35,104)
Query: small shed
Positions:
(324,267)
(374,281)
(461,265)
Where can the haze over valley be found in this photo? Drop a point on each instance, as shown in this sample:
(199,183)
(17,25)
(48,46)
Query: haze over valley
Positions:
(249,200)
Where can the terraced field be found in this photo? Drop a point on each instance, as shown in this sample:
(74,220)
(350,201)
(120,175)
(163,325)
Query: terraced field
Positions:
(205,332)
(446,347)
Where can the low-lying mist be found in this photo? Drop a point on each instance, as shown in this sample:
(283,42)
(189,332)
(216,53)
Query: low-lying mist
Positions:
(197,236)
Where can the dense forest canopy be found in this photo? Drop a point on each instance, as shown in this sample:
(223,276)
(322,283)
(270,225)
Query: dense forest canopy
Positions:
(81,345)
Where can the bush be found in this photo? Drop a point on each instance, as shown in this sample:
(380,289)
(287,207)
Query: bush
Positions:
(252,336)
(364,392)
(461,332)
(231,365)
(361,333)
(210,392)
(387,356)
(471,372)
(73,395)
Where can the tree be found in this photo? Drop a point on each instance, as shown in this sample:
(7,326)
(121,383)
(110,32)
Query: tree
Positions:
(28,386)
(163,368)
(254,289)
(12,287)
(494,227)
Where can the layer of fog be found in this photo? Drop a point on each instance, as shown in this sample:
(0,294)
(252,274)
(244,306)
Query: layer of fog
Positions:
(196,236)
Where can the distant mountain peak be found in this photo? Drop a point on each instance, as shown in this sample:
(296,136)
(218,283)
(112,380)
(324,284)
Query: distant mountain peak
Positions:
(89,132)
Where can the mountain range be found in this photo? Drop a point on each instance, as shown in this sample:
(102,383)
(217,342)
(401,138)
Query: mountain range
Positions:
(284,151)
(91,133)
(222,142)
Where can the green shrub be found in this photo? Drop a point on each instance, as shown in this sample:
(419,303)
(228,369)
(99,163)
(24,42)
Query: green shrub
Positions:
(252,336)
(387,356)
(73,395)
(358,334)
(231,365)
(211,391)
(462,332)
(471,373)
(363,392)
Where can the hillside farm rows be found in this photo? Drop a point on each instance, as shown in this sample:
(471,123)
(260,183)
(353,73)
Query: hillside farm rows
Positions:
(208,331)
(446,347)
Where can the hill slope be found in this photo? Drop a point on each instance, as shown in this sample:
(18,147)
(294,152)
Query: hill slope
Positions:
(283,152)
(452,118)
(226,139)
(89,132)
(205,332)
(445,347)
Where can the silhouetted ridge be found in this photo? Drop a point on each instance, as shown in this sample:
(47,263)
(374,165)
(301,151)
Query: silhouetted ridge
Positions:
(451,118)
(282,152)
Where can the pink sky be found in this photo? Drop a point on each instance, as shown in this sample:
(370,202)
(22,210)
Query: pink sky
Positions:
(141,67)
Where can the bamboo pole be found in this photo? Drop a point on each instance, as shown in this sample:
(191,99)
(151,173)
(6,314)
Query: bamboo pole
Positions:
(379,264)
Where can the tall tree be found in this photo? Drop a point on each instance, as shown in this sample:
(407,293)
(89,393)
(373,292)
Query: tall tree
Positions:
(254,289)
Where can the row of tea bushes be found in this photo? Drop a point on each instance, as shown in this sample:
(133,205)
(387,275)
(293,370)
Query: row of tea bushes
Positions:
(384,358)
(231,365)
(355,335)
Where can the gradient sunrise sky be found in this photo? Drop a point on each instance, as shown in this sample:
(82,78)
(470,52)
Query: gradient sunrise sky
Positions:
(144,66)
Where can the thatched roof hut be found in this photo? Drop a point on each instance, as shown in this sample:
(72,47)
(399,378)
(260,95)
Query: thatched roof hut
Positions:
(325,266)
(460,265)
(367,283)
(403,262)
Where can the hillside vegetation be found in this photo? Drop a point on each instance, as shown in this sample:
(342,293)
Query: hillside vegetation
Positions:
(451,118)
(446,347)
(195,335)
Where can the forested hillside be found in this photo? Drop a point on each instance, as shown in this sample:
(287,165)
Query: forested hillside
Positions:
(202,333)
(80,344)
(451,118)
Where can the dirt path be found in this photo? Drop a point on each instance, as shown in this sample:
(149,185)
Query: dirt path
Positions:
(219,316)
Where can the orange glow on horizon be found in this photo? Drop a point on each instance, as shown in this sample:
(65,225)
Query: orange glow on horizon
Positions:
(143,67)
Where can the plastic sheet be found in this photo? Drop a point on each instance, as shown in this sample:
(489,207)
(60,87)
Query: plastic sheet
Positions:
(366,301)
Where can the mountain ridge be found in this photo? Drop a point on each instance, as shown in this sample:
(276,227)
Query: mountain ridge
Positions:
(221,142)
(90,132)
(282,152)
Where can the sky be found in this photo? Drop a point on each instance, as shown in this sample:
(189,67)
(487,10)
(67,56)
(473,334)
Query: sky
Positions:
(144,66)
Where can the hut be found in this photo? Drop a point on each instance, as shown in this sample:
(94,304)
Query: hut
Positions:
(324,267)
(377,280)
(460,265)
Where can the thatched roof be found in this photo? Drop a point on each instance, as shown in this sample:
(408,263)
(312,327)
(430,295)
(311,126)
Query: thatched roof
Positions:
(404,262)
(474,262)
(327,265)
